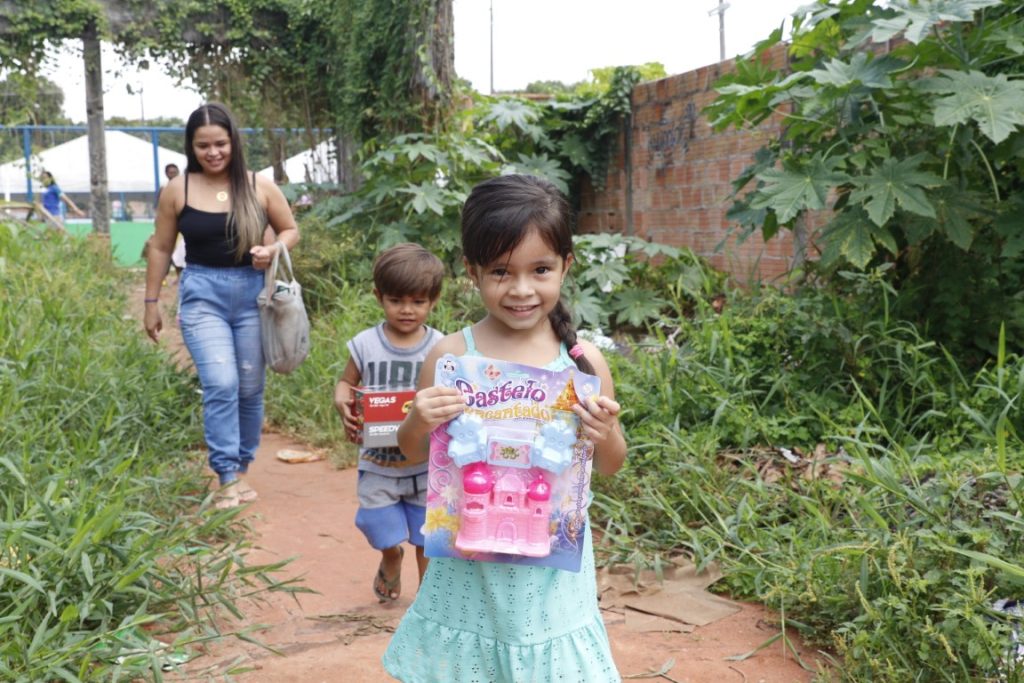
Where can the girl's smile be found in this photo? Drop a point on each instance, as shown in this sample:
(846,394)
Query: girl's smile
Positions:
(521,287)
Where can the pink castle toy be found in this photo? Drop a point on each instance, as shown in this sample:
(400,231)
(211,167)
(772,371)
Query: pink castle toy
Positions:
(508,512)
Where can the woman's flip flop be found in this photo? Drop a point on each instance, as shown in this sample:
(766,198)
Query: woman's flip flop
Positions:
(383,587)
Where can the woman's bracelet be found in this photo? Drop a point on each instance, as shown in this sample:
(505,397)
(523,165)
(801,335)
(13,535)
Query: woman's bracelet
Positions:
(150,301)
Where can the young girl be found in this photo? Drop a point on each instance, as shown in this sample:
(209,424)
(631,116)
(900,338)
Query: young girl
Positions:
(491,622)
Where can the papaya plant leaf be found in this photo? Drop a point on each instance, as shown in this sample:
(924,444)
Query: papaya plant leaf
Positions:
(426,196)
(892,182)
(794,188)
(422,149)
(995,103)
(541,166)
(575,149)
(1007,226)
(607,274)
(636,306)
(588,307)
(917,229)
(852,236)
(916,19)
(955,210)
(873,74)
(510,112)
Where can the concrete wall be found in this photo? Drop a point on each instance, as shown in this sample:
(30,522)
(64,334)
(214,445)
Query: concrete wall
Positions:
(679,172)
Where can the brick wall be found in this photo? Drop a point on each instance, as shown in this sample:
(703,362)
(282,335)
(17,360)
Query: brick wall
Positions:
(681,173)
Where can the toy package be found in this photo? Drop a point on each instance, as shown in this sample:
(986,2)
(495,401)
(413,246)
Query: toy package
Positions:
(509,479)
(382,410)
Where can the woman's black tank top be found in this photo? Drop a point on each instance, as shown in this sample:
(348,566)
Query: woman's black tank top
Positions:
(207,240)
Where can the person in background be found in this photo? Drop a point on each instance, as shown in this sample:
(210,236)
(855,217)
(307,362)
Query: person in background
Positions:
(221,208)
(172,171)
(54,198)
(392,494)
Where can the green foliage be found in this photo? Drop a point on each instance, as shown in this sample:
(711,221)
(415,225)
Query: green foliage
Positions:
(107,538)
(889,542)
(27,100)
(614,286)
(914,147)
(600,82)
(288,63)
(606,78)
(414,184)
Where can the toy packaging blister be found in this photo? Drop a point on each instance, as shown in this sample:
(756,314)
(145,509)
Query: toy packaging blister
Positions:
(509,479)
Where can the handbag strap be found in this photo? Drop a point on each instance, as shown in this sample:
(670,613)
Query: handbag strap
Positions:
(270,278)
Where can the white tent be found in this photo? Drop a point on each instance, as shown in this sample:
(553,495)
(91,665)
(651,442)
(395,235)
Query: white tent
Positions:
(316,165)
(129,166)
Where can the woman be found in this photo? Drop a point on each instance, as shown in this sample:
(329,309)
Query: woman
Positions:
(221,209)
(53,197)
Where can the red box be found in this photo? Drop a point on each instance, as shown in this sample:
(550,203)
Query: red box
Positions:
(382,411)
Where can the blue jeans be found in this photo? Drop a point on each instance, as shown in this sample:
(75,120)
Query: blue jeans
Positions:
(221,326)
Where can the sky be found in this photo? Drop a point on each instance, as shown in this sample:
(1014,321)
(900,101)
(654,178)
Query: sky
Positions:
(534,40)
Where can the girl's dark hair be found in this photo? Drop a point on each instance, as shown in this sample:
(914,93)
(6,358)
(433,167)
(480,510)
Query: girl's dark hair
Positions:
(499,213)
(246,219)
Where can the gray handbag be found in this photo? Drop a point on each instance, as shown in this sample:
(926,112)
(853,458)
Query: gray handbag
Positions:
(283,321)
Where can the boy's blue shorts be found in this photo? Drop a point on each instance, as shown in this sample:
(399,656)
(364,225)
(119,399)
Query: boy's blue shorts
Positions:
(392,510)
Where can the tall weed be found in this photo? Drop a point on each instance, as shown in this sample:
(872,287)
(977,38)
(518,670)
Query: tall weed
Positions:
(101,548)
(894,554)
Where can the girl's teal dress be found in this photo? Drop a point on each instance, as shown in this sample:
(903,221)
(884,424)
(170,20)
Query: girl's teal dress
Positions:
(487,622)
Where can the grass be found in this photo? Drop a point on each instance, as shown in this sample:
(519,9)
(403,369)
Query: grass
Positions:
(107,536)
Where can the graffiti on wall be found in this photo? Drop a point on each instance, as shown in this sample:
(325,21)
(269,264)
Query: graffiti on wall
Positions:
(669,139)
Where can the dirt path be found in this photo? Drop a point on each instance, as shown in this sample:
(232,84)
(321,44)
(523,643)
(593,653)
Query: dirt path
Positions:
(306,512)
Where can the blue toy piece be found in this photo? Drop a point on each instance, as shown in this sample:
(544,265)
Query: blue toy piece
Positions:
(552,450)
(469,439)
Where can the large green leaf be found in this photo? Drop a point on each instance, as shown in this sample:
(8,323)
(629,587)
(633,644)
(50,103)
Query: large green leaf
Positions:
(420,149)
(995,103)
(852,235)
(607,274)
(511,112)
(793,188)
(637,306)
(541,166)
(426,196)
(1008,226)
(895,182)
(955,210)
(588,306)
(575,149)
(917,17)
(873,74)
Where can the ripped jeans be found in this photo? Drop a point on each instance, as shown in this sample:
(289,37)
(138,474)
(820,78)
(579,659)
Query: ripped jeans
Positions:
(221,327)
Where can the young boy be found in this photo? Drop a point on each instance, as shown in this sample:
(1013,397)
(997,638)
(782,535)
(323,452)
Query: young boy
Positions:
(392,495)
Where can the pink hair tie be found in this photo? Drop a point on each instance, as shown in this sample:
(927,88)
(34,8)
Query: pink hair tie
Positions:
(576,351)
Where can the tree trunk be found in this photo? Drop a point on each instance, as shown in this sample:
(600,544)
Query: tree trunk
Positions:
(100,206)
(432,80)
(348,172)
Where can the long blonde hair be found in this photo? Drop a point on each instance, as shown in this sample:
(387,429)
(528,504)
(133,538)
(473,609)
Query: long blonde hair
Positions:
(246,219)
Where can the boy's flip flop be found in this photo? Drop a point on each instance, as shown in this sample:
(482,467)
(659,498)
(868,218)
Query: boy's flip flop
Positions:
(383,587)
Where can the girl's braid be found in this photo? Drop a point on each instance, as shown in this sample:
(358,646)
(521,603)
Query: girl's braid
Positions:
(561,321)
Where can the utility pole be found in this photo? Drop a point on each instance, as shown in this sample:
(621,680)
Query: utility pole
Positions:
(492,47)
(720,11)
